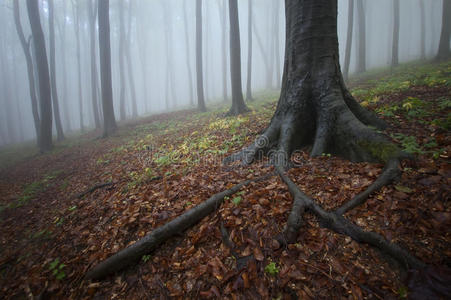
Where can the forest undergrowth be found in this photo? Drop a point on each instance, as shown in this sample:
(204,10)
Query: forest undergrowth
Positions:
(63,212)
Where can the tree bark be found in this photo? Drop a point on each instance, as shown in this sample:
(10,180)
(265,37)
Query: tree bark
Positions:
(55,102)
(45,100)
(76,12)
(395,43)
(188,55)
(199,70)
(238,105)
(445,35)
(31,80)
(128,56)
(92,12)
(349,39)
(109,122)
(361,57)
(249,53)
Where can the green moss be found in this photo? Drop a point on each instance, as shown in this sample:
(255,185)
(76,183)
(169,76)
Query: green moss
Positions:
(382,151)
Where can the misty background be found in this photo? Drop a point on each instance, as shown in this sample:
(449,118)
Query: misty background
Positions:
(160,37)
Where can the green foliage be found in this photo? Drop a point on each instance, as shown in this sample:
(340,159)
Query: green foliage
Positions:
(272,268)
(57,269)
(409,143)
(145,258)
(237,200)
(402,292)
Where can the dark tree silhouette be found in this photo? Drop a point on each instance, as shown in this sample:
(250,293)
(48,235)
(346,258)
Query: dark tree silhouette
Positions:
(249,53)
(199,70)
(45,97)
(109,122)
(361,52)
(395,43)
(55,101)
(238,105)
(31,80)
(443,48)
(349,39)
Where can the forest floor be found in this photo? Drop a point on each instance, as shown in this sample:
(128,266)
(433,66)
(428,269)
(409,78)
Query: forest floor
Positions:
(159,167)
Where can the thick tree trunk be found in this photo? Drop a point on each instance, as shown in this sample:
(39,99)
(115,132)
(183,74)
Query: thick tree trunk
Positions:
(76,10)
(443,48)
(31,80)
(423,30)
(45,99)
(395,43)
(55,102)
(109,122)
(188,54)
(199,70)
(128,56)
(315,108)
(238,105)
(223,17)
(249,53)
(123,86)
(92,11)
(361,55)
(349,39)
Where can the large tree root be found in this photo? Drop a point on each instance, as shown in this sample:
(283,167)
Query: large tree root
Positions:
(341,225)
(133,253)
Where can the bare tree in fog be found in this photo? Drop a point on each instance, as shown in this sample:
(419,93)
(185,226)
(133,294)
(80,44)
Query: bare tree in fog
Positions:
(141,38)
(45,100)
(11,136)
(199,71)
(238,105)
(277,41)
(395,43)
(423,31)
(350,30)
(443,48)
(263,54)
(109,122)
(170,79)
(122,82)
(56,109)
(361,53)
(31,80)
(223,17)
(92,18)
(76,14)
(188,54)
(249,52)
(128,56)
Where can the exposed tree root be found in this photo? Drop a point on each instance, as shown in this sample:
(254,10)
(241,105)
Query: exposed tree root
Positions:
(341,225)
(93,188)
(133,253)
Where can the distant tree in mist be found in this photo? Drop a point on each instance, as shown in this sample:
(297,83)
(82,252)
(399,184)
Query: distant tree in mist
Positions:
(128,56)
(238,105)
(349,39)
(31,80)
(199,70)
(443,48)
(249,53)
(423,31)
(361,52)
(45,98)
(223,17)
(109,122)
(56,110)
(92,18)
(121,56)
(395,43)
(169,54)
(76,14)
(277,41)
(188,54)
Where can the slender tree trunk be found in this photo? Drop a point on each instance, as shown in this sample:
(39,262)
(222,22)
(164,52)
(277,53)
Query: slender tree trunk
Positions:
(261,47)
(109,122)
(361,57)
(238,105)
(277,42)
(223,17)
(443,48)
(423,30)
(199,71)
(7,94)
(171,101)
(270,46)
(76,11)
(122,46)
(249,53)
(92,11)
(55,102)
(131,79)
(31,80)
(188,55)
(395,43)
(349,39)
(141,37)
(45,99)
(62,31)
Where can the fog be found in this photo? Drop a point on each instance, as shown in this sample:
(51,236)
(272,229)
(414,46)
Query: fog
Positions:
(162,56)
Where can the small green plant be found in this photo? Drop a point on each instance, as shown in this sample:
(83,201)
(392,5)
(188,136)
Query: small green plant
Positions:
(402,292)
(409,143)
(57,269)
(72,208)
(145,258)
(271,268)
(237,200)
